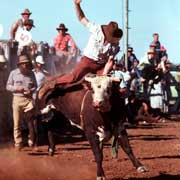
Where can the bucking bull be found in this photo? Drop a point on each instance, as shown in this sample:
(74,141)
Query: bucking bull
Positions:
(97,108)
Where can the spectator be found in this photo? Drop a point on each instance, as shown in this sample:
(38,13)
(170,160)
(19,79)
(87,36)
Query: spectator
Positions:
(138,109)
(177,78)
(64,45)
(167,82)
(117,72)
(147,62)
(149,71)
(177,75)
(24,37)
(19,23)
(40,73)
(22,84)
(160,51)
(28,24)
(131,58)
(136,77)
(156,43)
(120,70)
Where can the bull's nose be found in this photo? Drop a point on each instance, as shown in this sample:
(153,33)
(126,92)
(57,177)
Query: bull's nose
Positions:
(97,103)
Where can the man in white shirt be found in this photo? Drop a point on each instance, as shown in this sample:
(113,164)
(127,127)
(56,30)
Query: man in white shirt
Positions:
(19,23)
(40,73)
(99,53)
(23,35)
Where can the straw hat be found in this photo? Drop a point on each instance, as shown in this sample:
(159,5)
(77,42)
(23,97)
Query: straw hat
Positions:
(23,59)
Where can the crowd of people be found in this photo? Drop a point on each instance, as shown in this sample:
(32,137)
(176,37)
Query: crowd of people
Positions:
(141,77)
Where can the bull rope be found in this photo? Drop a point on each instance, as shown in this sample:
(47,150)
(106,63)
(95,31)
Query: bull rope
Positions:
(82,107)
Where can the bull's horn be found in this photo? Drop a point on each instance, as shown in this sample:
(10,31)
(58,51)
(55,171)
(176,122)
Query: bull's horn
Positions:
(88,77)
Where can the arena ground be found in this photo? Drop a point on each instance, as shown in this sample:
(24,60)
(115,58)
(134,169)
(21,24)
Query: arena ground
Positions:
(157,146)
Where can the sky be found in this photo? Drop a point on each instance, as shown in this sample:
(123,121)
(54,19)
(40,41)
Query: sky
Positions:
(145,18)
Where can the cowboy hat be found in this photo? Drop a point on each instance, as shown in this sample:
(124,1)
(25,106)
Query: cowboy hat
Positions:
(62,27)
(39,59)
(23,59)
(112,32)
(168,61)
(152,45)
(151,51)
(26,11)
(2,59)
(130,49)
(29,22)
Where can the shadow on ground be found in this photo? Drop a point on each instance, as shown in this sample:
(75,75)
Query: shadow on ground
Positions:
(160,177)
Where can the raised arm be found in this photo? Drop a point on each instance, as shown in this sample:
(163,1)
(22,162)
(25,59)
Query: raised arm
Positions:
(13,30)
(80,13)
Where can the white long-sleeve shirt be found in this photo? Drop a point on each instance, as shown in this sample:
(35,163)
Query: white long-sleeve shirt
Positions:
(95,45)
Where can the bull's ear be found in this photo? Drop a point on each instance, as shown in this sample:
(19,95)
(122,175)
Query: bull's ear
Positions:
(87,85)
(89,77)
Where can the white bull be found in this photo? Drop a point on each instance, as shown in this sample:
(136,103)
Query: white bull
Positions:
(101,86)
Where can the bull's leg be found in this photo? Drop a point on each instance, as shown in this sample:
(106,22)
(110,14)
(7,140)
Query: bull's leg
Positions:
(124,142)
(48,129)
(36,131)
(30,123)
(51,140)
(98,154)
(115,143)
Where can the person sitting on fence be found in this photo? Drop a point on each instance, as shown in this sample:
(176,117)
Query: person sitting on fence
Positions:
(155,45)
(64,45)
(160,52)
(19,23)
(24,37)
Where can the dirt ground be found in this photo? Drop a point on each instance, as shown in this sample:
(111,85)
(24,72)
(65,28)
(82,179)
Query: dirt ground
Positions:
(157,146)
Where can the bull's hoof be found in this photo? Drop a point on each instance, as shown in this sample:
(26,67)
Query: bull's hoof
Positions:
(30,143)
(142,169)
(50,152)
(100,178)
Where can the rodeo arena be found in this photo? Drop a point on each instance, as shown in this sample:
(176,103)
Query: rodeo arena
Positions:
(67,114)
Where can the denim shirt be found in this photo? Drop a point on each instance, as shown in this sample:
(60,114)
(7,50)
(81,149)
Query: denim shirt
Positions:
(16,78)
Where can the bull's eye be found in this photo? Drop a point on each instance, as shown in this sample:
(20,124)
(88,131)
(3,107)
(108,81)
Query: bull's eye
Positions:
(99,86)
